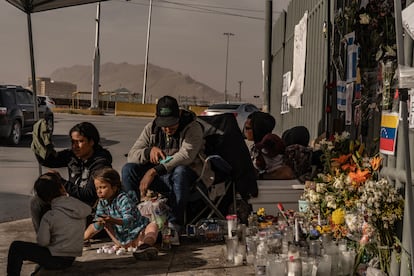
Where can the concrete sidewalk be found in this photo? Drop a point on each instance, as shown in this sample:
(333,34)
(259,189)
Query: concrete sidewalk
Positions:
(191,258)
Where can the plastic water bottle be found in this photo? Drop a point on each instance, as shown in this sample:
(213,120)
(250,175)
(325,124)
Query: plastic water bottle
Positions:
(261,257)
(166,237)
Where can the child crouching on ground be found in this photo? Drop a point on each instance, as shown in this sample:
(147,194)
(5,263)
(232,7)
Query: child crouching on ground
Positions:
(59,237)
(118,214)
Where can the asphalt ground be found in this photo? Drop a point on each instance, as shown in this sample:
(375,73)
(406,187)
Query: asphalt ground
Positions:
(18,171)
(192,257)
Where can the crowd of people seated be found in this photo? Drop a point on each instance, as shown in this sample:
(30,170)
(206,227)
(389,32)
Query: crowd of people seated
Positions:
(166,158)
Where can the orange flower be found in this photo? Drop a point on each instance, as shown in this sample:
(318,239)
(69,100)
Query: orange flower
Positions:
(350,167)
(359,176)
(341,159)
(376,163)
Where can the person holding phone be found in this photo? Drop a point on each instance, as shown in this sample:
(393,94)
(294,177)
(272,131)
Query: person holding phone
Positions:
(167,158)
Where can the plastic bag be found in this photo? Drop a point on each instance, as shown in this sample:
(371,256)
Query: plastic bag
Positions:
(156,210)
(371,271)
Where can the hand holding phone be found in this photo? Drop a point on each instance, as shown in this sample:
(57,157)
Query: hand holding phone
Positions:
(166,160)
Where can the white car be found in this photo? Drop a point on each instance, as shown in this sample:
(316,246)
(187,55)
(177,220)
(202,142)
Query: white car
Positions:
(240,111)
(50,103)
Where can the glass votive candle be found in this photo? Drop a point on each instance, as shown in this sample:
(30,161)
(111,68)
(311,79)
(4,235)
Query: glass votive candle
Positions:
(277,265)
(308,265)
(249,259)
(238,259)
(231,247)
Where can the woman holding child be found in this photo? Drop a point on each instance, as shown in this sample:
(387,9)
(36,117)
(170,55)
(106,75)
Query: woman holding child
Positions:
(85,156)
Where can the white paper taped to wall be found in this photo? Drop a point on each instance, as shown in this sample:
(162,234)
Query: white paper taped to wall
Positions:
(299,63)
(408,20)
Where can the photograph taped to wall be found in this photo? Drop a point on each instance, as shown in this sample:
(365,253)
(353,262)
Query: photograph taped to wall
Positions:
(287,78)
(411,108)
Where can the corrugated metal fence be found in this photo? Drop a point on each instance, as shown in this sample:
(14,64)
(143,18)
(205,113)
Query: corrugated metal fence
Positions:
(312,113)
(314,99)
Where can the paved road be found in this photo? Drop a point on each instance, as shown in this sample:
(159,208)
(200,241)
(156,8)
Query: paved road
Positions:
(19,168)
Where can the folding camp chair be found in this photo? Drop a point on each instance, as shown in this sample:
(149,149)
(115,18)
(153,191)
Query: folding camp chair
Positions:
(229,157)
(214,195)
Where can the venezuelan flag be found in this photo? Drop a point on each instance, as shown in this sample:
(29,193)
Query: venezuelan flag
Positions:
(388,135)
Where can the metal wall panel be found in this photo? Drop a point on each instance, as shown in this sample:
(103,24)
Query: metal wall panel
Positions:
(312,113)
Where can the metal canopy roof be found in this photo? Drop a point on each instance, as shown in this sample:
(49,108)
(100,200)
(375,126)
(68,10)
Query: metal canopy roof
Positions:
(32,6)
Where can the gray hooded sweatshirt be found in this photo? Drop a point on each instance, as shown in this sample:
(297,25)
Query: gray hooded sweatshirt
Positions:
(61,229)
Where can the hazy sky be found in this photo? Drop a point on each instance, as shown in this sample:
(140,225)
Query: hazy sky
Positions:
(186,36)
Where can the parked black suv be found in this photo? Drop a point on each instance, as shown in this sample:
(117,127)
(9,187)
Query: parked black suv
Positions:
(17,115)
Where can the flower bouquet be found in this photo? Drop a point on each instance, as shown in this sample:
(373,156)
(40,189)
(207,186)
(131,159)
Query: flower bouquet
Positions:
(354,202)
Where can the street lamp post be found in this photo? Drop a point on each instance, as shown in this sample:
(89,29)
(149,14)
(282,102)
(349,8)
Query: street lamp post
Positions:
(227,61)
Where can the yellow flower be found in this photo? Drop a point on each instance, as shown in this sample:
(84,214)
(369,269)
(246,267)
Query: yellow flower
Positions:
(338,216)
(261,212)
(323,229)
(376,163)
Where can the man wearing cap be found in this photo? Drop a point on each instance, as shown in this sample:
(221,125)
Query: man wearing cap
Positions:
(167,158)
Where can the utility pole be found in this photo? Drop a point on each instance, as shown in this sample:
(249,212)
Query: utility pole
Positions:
(96,63)
(268,55)
(144,85)
(227,62)
(240,97)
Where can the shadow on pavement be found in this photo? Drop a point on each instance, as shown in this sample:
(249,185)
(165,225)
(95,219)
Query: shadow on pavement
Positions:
(124,266)
(14,207)
(181,259)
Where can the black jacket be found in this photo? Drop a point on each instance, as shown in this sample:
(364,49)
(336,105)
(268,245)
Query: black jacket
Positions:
(80,183)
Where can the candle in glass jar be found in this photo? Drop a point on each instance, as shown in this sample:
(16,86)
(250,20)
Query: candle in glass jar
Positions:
(231,224)
(238,259)
(249,258)
(296,230)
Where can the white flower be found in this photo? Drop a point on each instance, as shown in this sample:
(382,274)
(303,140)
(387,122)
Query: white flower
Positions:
(338,183)
(330,201)
(314,196)
(320,187)
(364,19)
(351,221)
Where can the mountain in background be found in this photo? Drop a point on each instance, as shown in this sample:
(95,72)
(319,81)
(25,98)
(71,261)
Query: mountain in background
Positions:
(160,81)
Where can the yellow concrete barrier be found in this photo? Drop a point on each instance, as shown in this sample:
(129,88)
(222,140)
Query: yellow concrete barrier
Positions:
(78,111)
(197,109)
(134,109)
(146,110)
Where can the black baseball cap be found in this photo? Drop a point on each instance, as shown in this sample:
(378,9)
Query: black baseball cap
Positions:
(168,112)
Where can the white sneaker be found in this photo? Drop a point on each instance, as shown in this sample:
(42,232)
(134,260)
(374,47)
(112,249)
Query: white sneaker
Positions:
(175,237)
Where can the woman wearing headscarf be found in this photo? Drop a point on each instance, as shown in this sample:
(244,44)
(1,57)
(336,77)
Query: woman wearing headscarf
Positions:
(268,149)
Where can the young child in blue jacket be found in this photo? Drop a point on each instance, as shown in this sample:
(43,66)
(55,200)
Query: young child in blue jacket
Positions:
(118,214)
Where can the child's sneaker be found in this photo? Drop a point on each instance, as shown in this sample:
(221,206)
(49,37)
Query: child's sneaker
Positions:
(145,252)
(175,238)
(36,270)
